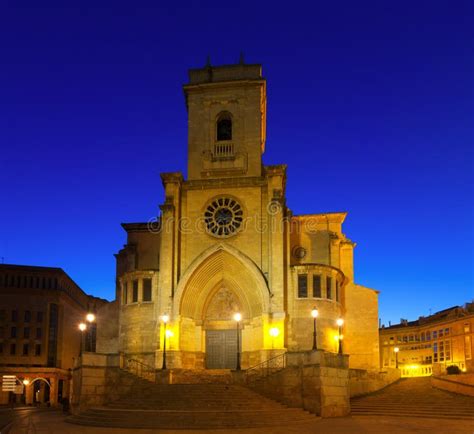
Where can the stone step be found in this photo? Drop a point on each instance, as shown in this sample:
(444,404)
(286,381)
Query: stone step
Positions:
(415,415)
(189,419)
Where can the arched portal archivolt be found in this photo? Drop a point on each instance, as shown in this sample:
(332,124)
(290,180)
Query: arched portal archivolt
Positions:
(220,267)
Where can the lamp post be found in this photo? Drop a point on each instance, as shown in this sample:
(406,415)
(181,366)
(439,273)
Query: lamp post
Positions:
(165,318)
(90,318)
(82,328)
(396,349)
(339,323)
(274,332)
(314,314)
(238,318)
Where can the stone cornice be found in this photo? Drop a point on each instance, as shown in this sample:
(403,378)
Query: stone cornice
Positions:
(331,217)
(198,184)
(171,177)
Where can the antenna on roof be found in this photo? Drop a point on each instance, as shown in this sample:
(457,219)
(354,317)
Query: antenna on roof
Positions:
(241,59)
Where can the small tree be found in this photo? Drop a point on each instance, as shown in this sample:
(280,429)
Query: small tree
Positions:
(453,370)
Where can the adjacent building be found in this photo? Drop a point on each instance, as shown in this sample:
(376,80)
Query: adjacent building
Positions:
(40,309)
(430,344)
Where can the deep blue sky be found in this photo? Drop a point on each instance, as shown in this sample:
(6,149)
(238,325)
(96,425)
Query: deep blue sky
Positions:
(369,103)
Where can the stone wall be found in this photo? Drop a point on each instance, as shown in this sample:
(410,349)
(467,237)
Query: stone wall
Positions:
(463,384)
(316,381)
(362,382)
(96,380)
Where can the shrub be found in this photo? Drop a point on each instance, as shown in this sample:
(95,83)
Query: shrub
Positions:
(453,370)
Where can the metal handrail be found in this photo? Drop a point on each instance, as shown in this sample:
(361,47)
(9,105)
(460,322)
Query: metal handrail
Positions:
(266,368)
(140,369)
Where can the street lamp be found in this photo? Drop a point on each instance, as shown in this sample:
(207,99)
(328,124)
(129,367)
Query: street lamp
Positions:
(82,327)
(314,314)
(26,382)
(339,323)
(396,349)
(90,318)
(238,318)
(274,332)
(165,318)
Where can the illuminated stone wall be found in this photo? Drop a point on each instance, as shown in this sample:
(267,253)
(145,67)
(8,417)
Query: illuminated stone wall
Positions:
(200,277)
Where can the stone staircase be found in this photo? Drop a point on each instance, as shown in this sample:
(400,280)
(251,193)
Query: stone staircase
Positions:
(414,397)
(191,406)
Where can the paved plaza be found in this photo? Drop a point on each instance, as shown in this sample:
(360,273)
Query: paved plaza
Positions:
(53,422)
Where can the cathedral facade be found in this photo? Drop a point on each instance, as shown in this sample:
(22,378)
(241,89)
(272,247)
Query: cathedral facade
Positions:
(226,243)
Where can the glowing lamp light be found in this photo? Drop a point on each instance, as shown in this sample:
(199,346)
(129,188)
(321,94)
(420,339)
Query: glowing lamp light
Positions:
(314,313)
(169,333)
(274,332)
(90,317)
(238,317)
(82,326)
(396,349)
(26,381)
(165,318)
(340,322)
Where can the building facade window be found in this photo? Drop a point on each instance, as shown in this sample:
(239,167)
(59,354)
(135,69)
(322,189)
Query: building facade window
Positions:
(125,292)
(13,332)
(53,334)
(25,349)
(224,127)
(27,316)
(1,347)
(38,350)
(39,317)
(146,289)
(14,315)
(317,286)
(302,285)
(2,315)
(26,332)
(12,349)
(467,347)
(39,333)
(135,291)
(329,288)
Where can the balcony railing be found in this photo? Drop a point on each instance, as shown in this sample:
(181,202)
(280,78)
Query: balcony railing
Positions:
(223,151)
(266,368)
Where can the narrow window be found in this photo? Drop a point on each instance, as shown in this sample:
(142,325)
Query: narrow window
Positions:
(27,316)
(467,347)
(1,347)
(38,350)
(14,315)
(25,349)
(146,289)
(39,317)
(12,349)
(13,332)
(302,285)
(26,332)
(2,332)
(2,315)
(224,127)
(125,293)
(135,291)
(39,333)
(329,288)
(316,286)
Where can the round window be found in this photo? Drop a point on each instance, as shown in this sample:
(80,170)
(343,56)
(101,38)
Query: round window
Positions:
(223,217)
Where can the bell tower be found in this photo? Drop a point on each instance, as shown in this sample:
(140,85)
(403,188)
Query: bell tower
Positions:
(226,121)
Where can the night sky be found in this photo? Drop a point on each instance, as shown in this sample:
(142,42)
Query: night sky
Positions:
(369,103)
